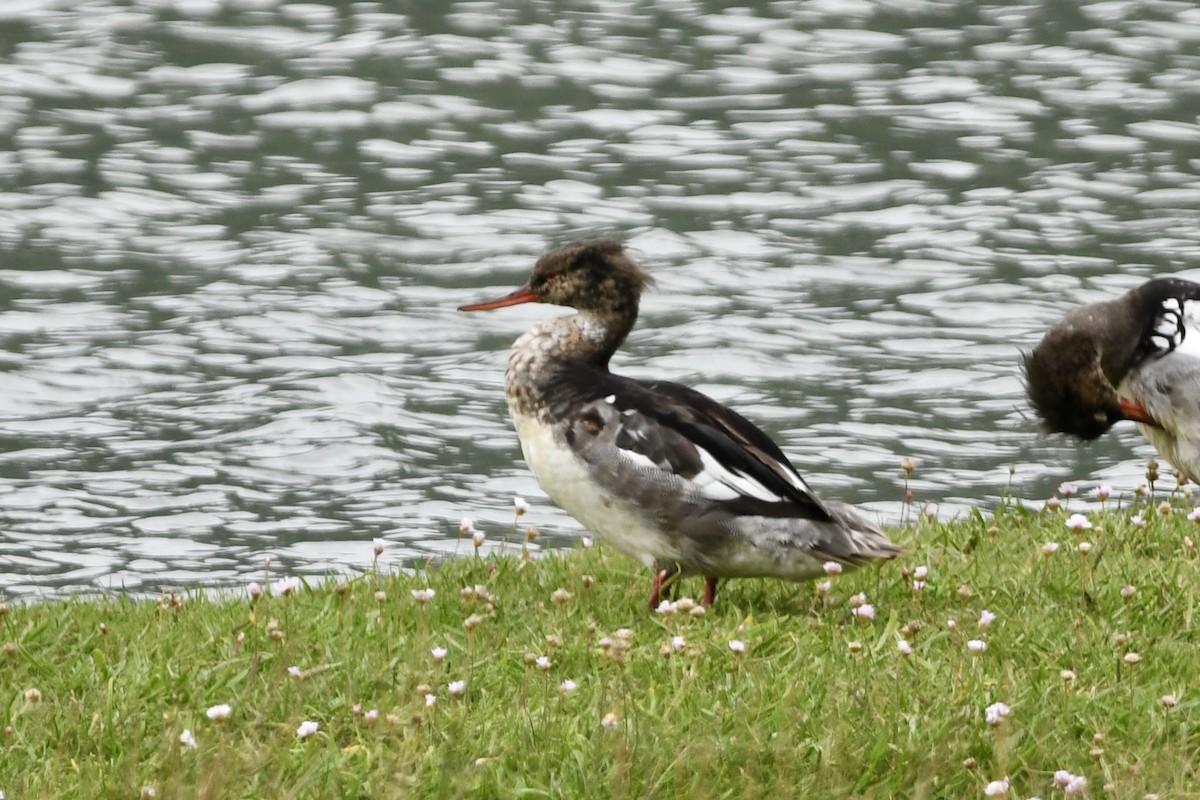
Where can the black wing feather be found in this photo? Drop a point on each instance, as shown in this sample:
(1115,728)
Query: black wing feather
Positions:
(735,442)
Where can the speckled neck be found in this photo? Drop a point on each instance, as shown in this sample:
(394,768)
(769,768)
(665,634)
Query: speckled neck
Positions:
(544,354)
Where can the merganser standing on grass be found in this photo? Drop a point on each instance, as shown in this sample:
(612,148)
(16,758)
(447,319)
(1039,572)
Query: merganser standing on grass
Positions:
(1136,357)
(661,472)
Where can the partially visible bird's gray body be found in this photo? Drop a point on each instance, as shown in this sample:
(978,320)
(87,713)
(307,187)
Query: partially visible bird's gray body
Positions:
(661,472)
(1169,389)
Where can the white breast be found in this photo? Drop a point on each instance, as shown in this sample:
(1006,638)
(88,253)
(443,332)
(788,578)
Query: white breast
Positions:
(565,477)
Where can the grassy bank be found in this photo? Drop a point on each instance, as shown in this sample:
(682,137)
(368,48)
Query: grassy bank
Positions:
(1094,654)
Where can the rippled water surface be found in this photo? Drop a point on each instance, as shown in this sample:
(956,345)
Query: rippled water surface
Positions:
(233,234)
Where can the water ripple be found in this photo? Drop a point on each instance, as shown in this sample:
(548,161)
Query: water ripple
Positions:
(234,235)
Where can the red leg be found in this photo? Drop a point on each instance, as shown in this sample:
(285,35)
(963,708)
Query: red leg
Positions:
(710,590)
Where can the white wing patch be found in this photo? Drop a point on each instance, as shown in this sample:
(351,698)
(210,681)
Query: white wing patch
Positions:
(1177,327)
(1189,329)
(1168,326)
(718,483)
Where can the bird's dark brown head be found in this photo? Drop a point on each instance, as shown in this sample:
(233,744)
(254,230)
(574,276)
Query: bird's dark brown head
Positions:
(1067,386)
(594,275)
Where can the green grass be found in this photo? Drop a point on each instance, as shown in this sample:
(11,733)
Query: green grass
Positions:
(798,714)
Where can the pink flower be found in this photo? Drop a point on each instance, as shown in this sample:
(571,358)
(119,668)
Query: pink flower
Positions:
(996,713)
(1079,522)
(996,788)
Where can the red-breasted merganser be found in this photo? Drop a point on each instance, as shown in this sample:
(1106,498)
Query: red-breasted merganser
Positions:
(1136,357)
(659,471)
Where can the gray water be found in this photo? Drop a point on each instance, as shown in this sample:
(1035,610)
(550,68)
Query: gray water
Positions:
(233,234)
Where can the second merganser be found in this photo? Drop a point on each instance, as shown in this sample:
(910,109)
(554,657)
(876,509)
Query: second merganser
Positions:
(1136,357)
(661,472)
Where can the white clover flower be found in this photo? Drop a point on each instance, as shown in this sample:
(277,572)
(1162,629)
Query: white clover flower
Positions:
(1137,521)
(520,506)
(1061,778)
(996,712)
(737,646)
(1132,658)
(1128,591)
(1067,675)
(377,546)
(423,596)
(1049,548)
(865,612)
(187,739)
(610,722)
(1102,492)
(286,586)
(1066,489)
(918,585)
(823,587)
(920,573)
(542,663)
(986,618)
(1168,701)
(1079,522)
(951,624)
(678,643)
(219,712)
(1084,548)
(307,729)
(567,685)
(478,538)
(857,600)
(295,672)
(431,700)
(996,788)
(666,608)
(1076,784)
(904,647)
(254,590)
(457,688)
(832,568)
(439,654)
(976,646)
(371,716)
(1053,503)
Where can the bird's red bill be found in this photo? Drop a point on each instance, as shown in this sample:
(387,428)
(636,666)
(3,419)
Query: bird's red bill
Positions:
(1138,413)
(522,295)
